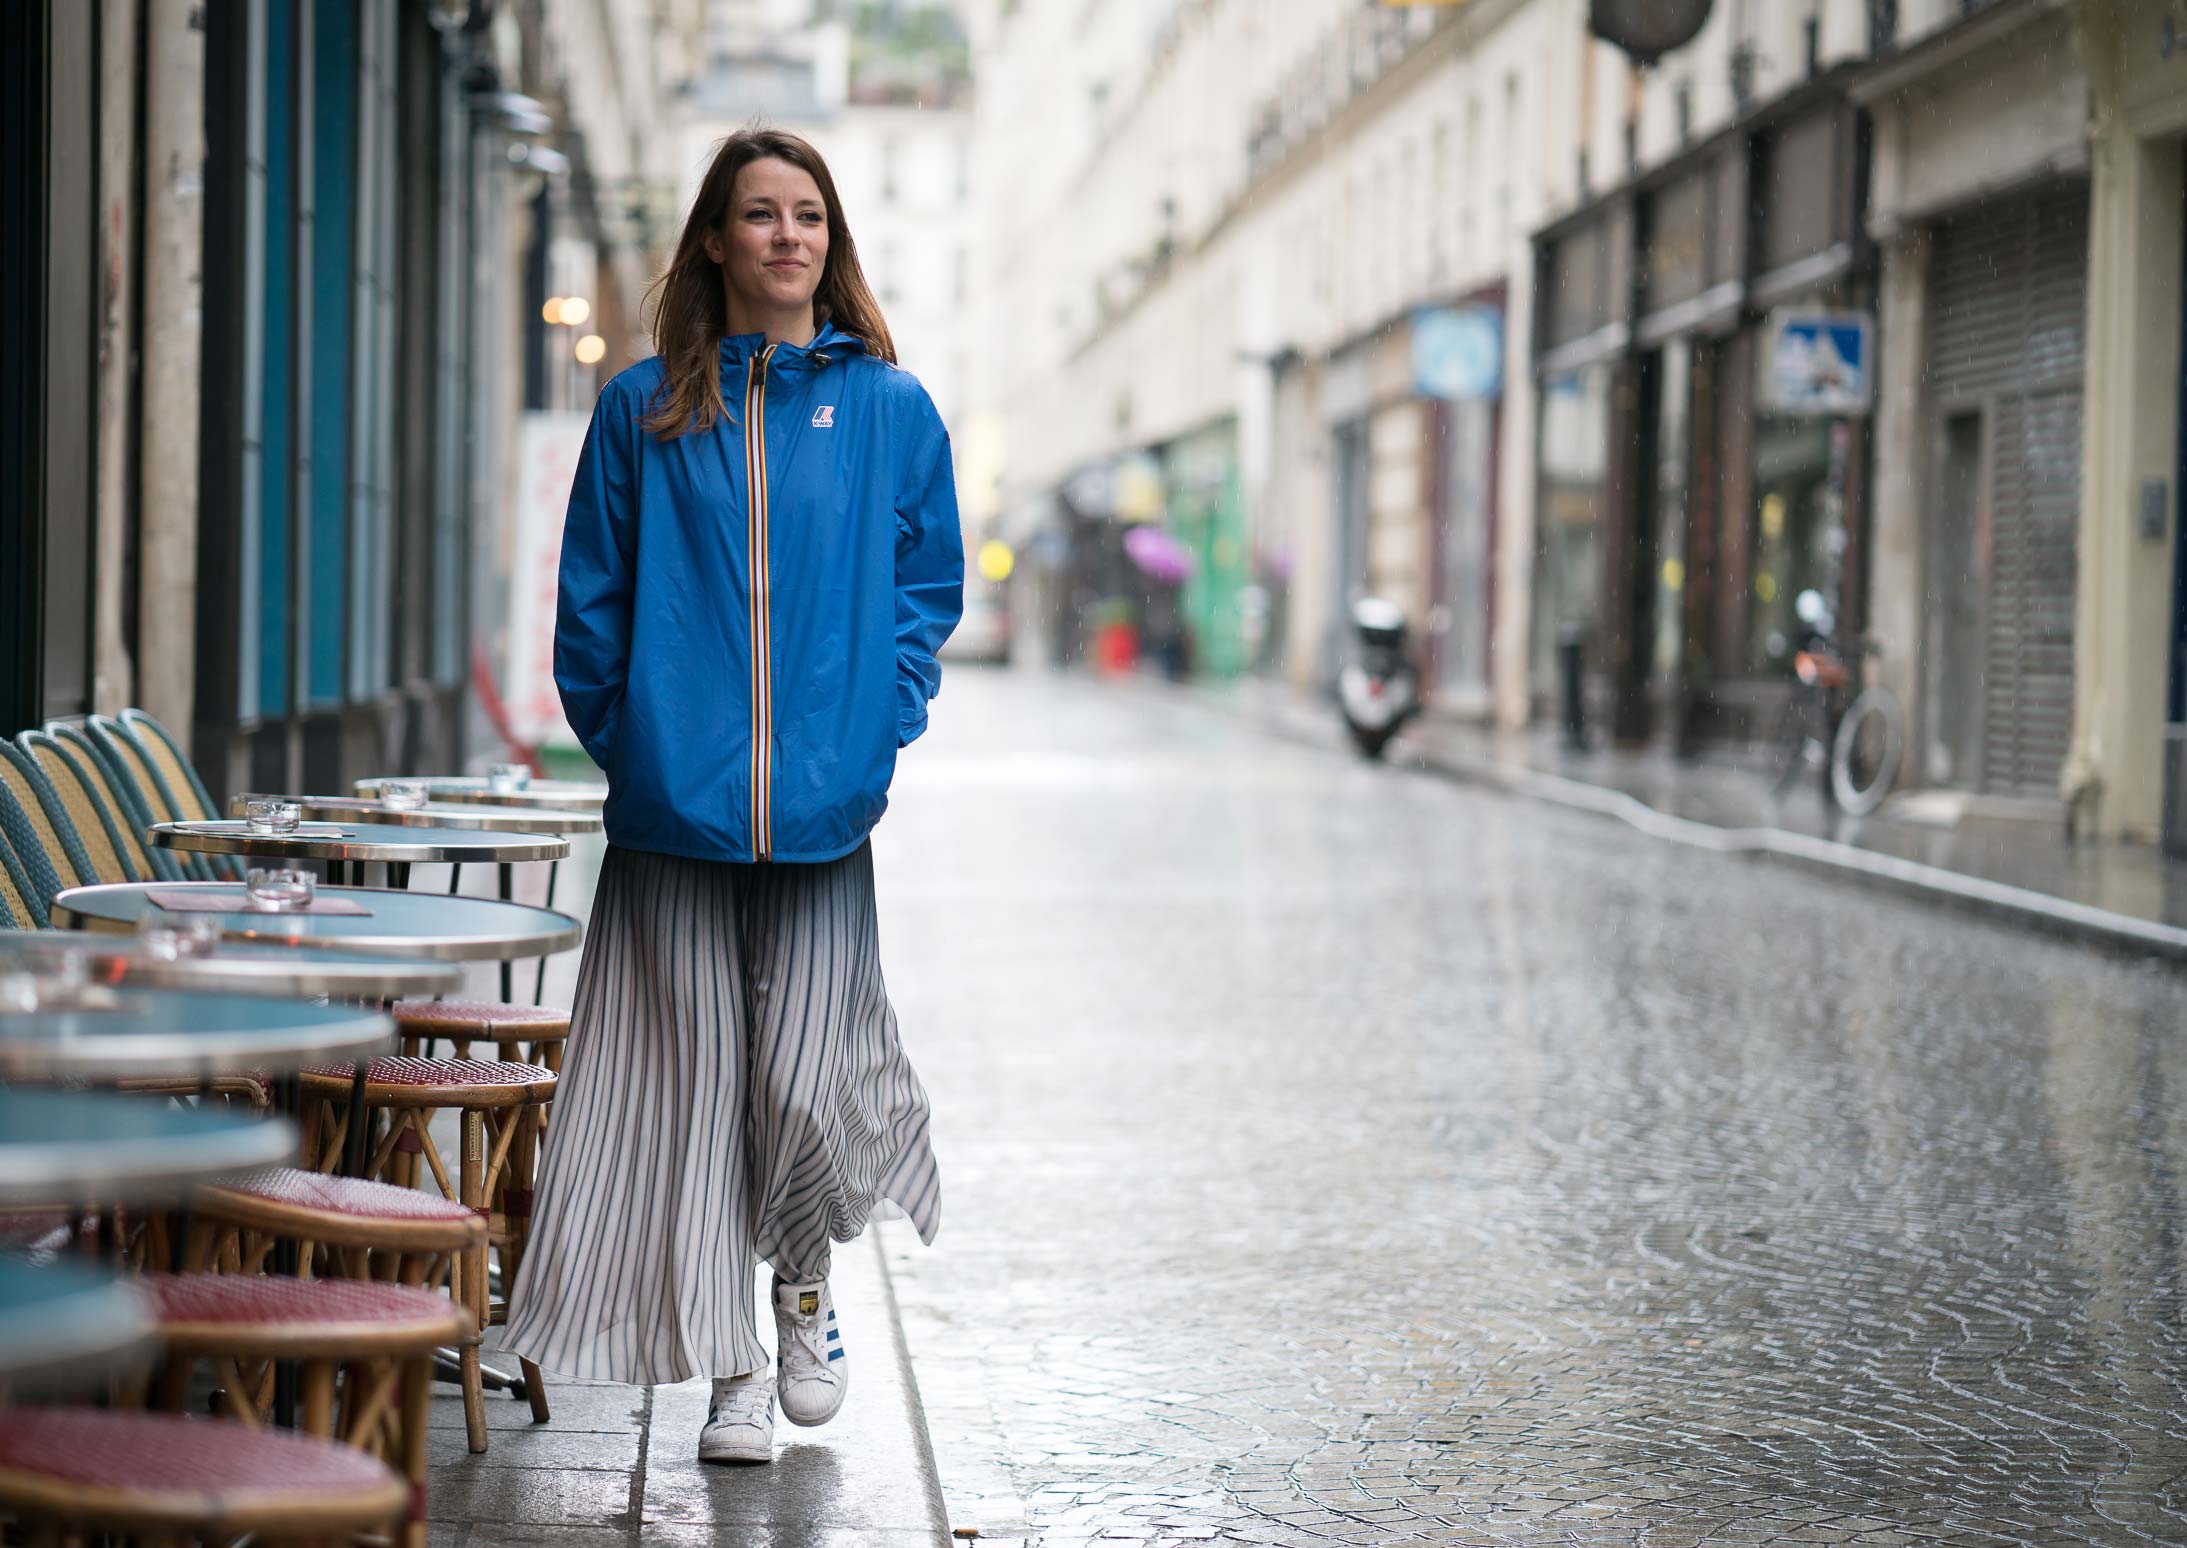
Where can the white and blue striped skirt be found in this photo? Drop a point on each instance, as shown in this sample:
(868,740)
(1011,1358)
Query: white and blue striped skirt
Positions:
(733,1093)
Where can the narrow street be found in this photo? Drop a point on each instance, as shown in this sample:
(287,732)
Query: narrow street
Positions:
(1340,1155)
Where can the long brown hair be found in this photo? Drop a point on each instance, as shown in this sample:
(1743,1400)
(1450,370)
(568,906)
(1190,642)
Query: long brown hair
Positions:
(690,304)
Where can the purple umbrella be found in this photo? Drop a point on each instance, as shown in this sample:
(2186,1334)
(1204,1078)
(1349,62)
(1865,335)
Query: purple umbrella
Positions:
(1158,555)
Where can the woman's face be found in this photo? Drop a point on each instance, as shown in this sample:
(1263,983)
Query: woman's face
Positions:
(773,244)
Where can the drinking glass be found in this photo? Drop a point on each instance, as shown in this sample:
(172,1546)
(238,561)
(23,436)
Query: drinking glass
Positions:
(508,776)
(405,795)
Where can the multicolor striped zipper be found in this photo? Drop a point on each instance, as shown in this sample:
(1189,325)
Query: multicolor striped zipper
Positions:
(763,708)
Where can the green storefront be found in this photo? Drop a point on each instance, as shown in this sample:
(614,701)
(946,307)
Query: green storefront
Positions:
(1206,513)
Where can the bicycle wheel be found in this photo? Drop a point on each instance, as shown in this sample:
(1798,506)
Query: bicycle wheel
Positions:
(1864,755)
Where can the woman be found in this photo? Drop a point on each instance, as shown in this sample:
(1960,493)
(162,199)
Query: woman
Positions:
(760,561)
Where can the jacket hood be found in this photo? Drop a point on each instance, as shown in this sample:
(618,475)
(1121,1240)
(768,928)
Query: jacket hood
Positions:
(830,343)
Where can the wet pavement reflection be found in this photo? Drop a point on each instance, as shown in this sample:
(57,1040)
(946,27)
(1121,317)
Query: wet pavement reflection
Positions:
(1335,1154)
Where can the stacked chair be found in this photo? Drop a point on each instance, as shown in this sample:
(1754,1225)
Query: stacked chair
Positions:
(390,1266)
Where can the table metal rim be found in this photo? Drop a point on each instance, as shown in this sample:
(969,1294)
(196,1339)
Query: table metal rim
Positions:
(444,948)
(360,1035)
(99,1167)
(481,795)
(361,975)
(493,849)
(519,819)
(101,1324)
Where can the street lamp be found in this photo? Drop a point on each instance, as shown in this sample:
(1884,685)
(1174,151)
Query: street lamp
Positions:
(590,349)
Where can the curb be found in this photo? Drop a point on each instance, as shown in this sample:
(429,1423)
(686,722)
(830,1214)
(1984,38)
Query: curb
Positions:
(1954,889)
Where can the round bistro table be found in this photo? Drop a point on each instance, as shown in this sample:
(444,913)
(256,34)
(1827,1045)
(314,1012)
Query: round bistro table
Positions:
(75,1149)
(400,924)
(356,845)
(493,819)
(234,967)
(570,793)
(107,1034)
(65,1326)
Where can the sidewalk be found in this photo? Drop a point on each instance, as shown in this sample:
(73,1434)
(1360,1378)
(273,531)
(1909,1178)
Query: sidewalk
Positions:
(2128,897)
(618,1465)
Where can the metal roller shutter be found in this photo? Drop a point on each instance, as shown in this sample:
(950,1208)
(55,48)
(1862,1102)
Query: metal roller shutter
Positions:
(2009,288)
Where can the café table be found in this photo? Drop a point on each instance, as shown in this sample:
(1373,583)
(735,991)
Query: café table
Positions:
(543,796)
(403,924)
(351,846)
(77,1149)
(96,1033)
(435,814)
(232,967)
(65,1326)
(582,795)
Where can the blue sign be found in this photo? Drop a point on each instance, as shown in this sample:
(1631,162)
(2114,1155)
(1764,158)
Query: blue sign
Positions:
(1458,352)
(1821,362)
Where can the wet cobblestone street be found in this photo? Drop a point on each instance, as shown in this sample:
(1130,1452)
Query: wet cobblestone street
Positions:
(1334,1155)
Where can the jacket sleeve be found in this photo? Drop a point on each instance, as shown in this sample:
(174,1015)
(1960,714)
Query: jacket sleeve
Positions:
(592,604)
(929,569)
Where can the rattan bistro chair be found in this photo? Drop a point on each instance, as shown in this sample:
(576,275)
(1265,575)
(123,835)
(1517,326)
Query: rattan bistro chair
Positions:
(135,753)
(129,812)
(169,1480)
(379,1340)
(344,1228)
(190,797)
(143,789)
(494,1101)
(18,897)
(110,839)
(64,848)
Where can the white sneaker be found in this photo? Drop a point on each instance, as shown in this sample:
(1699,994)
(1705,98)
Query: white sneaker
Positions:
(811,1371)
(740,1421)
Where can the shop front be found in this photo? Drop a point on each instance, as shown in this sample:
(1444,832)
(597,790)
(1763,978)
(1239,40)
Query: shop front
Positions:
(1701,466)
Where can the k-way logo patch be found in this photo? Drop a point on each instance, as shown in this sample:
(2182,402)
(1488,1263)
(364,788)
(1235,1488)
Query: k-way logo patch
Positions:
(824,417)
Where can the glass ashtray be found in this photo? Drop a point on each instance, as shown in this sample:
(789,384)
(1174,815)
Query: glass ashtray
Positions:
(279,891)
(405,795)
(272,816)
(163,938)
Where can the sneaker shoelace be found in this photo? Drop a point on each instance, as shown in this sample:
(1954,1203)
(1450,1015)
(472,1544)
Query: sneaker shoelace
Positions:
(805,1353)
(742,1402)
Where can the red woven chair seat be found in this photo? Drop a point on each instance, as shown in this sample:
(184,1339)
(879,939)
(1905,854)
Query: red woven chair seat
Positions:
(359,1308)
(103,1465)
(397,1079)
(358,1197)
(480,1020)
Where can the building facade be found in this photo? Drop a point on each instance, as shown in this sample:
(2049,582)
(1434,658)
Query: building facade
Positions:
(284,260)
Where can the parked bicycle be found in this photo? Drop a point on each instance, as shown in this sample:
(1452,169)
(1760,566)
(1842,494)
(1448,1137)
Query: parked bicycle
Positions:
(1854,746)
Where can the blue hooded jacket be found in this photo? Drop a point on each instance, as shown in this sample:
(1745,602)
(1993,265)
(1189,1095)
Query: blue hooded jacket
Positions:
(745,669)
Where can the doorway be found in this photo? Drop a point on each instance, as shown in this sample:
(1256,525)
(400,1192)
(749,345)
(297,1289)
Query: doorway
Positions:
(1958,581)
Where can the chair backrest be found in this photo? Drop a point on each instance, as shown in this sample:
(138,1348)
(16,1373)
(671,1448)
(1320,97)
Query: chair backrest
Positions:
(191,796)
(155,798)
(131,814)
(49,820)
(109,841)
(18,896)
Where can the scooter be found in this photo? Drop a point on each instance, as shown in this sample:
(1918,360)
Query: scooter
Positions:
(1378,690)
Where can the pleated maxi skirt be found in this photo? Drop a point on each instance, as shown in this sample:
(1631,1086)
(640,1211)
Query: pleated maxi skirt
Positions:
(733,1092)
